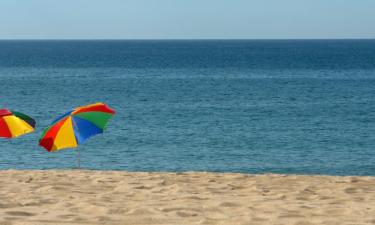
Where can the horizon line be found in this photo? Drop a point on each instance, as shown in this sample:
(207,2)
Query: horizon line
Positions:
(174,39)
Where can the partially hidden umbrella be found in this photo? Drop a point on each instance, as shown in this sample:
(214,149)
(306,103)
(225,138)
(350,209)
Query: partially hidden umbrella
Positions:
(14,124)
(75,127)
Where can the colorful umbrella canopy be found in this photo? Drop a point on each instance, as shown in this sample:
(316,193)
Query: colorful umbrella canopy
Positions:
(76,126)
(14,124)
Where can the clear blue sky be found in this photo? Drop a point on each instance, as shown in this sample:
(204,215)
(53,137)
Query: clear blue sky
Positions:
(186,19)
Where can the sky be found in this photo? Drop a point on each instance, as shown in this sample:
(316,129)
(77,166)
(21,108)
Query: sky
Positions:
(186,19)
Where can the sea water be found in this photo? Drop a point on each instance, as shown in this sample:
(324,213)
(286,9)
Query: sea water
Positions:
(252,106)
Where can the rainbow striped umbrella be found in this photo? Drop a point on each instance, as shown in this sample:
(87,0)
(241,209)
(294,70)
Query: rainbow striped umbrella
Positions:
(14,124)
(76,126)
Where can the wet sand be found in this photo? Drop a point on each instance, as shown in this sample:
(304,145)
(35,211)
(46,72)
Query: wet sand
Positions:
(114,197)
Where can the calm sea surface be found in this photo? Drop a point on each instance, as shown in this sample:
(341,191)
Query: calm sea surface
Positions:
(290,106)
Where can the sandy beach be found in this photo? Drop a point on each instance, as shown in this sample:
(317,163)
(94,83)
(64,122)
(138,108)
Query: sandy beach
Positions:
(113,197)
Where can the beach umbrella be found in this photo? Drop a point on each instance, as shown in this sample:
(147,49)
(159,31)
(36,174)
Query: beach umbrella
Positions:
(75,127)
(14,124)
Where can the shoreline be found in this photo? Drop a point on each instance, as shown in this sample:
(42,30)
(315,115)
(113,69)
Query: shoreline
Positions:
(181,172)
(121,197)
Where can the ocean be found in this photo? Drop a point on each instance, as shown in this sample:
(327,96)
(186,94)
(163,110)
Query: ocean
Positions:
(250,106)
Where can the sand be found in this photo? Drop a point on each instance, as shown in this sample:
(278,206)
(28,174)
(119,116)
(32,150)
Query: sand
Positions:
(112,197)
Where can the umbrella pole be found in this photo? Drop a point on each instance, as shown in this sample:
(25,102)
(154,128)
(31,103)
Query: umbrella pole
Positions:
(78,159)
